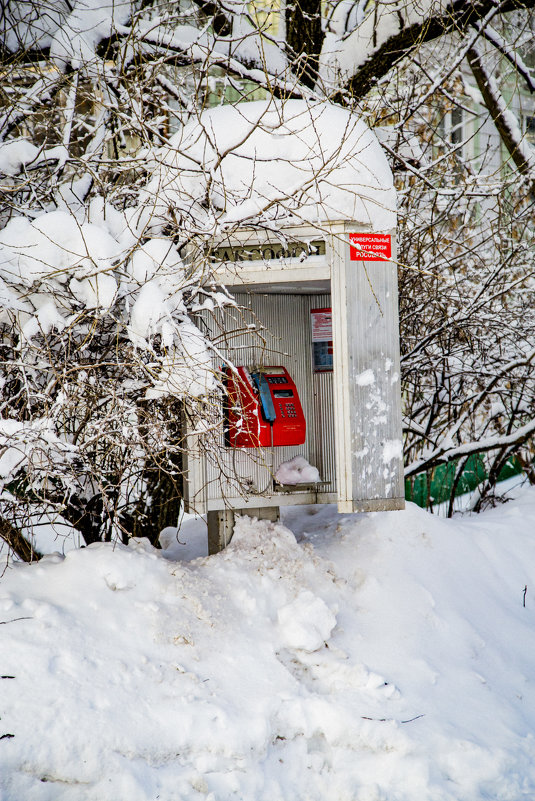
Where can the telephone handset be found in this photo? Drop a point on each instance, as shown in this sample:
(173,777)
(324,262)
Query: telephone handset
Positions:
(263,409)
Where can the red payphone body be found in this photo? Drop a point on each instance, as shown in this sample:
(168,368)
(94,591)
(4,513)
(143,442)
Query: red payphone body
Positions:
(263,409)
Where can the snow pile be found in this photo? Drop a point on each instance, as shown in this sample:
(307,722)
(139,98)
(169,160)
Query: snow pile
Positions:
(289,161)
(359,657)
(33,445)
(15,154)
(53,267)
(56,243)
(72,31)
(186,369)
(297,471)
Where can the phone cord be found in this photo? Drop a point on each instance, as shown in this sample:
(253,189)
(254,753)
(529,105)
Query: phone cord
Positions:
(269,466)
(242,479)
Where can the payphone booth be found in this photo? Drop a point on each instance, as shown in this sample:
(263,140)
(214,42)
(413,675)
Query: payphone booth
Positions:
(315,346)
(312,406)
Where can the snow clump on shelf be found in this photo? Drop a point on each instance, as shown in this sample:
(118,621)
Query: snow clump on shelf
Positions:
(297,471)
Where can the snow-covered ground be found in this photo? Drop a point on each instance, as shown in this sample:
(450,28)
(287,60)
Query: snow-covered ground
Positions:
(333,658)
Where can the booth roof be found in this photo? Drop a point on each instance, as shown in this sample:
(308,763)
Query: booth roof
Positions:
(286,161)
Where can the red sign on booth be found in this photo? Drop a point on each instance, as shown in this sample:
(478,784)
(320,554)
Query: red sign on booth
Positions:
(370,247)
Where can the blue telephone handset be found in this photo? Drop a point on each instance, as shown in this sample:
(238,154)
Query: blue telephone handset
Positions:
(266,401)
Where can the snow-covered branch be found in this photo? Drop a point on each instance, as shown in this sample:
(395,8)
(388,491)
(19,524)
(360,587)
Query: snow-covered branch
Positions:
(511,54)
(447,453)
(502,115)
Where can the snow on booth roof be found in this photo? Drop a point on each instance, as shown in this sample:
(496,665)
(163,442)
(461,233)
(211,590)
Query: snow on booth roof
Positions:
(286,161)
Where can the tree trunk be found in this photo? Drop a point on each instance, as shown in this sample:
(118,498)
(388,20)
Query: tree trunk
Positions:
(159,507)
(17,542)
(304,38)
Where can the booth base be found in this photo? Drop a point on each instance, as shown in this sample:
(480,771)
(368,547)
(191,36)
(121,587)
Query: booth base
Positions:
(221,524)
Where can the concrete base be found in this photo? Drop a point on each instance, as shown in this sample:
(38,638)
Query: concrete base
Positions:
(272,513)
(221,524)
(220,529)
(375,505)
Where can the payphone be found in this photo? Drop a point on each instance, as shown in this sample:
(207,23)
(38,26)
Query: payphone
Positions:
(262,409)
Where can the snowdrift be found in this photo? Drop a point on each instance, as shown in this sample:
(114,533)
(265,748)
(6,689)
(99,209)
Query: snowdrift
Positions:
(332,658)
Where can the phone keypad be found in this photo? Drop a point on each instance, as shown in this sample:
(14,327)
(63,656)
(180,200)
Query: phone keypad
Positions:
(290,410)
(276,379)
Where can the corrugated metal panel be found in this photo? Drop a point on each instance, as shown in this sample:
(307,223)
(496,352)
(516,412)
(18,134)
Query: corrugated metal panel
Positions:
(374,396)
(322,385)
(324,428)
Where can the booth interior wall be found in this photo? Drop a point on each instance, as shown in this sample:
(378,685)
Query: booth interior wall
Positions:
(268,330)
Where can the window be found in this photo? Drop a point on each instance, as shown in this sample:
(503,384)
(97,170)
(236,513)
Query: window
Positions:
(529,128)
(450,130)
(456,133)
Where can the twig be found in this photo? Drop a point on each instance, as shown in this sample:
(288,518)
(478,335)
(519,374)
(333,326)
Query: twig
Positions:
(6,736)
(5,622)
(392,720)
(525,591)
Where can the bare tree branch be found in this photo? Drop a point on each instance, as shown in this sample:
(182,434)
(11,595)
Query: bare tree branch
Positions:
(17,542)
(455,17)
(503,117)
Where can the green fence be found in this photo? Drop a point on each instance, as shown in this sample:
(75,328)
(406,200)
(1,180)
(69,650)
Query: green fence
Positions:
(436,484)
